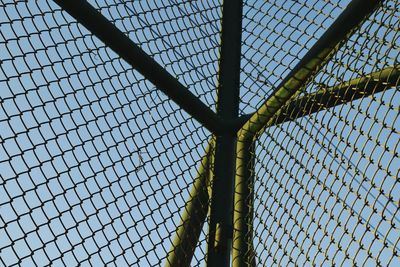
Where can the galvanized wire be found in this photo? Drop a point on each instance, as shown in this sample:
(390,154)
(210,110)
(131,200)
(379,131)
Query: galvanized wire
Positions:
(98,167)
(95,163)
(183,37)
(326,189)
(276,35)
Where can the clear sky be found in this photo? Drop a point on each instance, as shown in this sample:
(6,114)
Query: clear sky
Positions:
(96,164)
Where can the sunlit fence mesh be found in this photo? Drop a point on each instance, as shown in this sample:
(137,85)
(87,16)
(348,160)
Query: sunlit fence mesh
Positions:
(99,167)
(276,35)
(326,184)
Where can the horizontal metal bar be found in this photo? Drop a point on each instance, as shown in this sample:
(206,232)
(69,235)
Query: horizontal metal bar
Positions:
(108,33)
(194,215)
(316,57)
(339,94)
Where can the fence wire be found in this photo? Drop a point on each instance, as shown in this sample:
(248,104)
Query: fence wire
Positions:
(276,35)
(183,36)
(98,167)
(326,184)
(96,164)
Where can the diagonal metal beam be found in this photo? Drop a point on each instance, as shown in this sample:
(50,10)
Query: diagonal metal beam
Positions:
(194,214)
(333,96)
(324,98)
(316,57)
(108,33)
(329,97)
(339,94)
(325,47)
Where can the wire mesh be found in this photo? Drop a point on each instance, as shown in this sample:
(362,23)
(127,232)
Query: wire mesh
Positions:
(183,37)
(276,35)
(326,183)
(96,164)
(98,167)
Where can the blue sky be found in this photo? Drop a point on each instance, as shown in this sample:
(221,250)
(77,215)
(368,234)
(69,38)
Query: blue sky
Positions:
(70,161)
(95,160)
(348,141)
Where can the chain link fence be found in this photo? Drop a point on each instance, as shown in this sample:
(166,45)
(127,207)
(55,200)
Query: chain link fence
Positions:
(326,172)
(100,165)
(96,163)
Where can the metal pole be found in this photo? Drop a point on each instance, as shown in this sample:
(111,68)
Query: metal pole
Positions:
(242,251)
(291,85)
(220,229)
(333,96)
(316,57)
(108,33)
(340,94)
(193,217)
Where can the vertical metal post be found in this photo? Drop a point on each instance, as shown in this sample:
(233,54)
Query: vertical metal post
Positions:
(220,231)
(242,251)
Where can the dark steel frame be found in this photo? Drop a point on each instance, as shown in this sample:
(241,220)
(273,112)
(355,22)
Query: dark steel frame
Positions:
(230,195)
(220,228)
(108,33)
